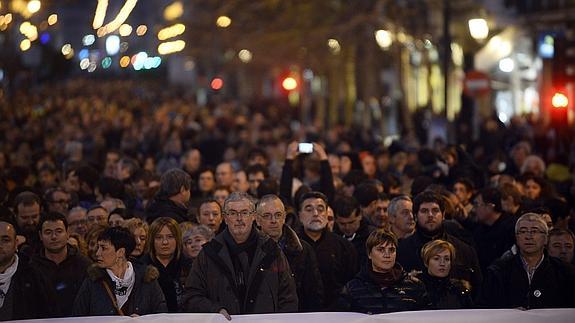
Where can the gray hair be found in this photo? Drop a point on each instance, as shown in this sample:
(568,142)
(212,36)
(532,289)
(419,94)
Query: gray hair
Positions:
(268,198)
(533,217)
(240,196)
(172,182)
(201,229)
(393,206)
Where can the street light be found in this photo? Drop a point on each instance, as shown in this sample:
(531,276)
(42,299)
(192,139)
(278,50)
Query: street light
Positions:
(34,6)
(383,38)
(478,28)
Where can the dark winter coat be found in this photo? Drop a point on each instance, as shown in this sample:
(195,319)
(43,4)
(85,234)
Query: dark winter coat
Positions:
(447,293)
(491,242)
(337,262)
(29,295)
(362,294)
(507,285)
(465,266)
(213,283)
(172,279)
(164,207)
(65,278)
(305,270)
(359,240)
(146,296)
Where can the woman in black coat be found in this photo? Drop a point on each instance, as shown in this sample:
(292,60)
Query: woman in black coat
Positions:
(444,292)
(114,285)
(165,254)
(383,286)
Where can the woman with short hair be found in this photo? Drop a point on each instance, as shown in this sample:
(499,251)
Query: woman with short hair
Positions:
(194,239)
(443,291)
(114,285)
(139,230)
(383,286)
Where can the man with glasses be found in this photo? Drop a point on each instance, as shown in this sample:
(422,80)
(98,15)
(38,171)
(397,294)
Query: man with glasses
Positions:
(530,278)
(78,221)
(240,271)
(429,210)
(57,200)
(271,217)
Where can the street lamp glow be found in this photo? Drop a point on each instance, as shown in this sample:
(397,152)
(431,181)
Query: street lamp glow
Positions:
(25,45)
(289,83)
(223,21)
(112,45)
(125,30)
(88,40)
(559,100)
(141,30)
(52,19)
(34,6)
(383,38)
(66,49)
(334,46)
(478,28)
(245,55)
(506,65)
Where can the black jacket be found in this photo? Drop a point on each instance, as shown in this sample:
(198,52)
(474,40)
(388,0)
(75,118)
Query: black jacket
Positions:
(172,279)
(29,295)
(465,266)
(491,242)
(325,183)
(65,278)
(337,262)
(214,283)
(164,207)
(447,293)
(359,240)
(305,270)
(507,284)
(362,294)
(146,297)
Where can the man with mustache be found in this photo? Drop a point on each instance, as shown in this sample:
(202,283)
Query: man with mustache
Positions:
(336,256)
(429,210)
(240,271)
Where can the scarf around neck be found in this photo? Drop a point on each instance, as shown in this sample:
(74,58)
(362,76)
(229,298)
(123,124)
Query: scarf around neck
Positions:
(6,279)
(386,279)
(123,286)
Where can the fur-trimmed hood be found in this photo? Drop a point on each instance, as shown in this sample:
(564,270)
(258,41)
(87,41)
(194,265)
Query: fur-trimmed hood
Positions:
(290,240)
(148,273)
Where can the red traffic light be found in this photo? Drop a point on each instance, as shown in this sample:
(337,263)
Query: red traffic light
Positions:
(217,83)
(289,83)
(559,100)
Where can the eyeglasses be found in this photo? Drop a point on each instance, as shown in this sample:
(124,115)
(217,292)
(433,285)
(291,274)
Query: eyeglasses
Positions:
(531,232)
(235,214)
(269,216)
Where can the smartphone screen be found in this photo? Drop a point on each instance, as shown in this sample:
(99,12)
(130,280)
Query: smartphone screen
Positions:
(305,147)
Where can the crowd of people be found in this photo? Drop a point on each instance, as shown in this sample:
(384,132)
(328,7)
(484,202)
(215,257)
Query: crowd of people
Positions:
(124,198)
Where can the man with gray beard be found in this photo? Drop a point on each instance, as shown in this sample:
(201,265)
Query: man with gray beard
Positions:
(336,256)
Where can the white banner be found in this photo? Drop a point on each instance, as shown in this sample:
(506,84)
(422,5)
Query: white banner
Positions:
(455,316)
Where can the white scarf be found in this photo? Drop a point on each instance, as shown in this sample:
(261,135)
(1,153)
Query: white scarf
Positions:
(6,279)
(124,285)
